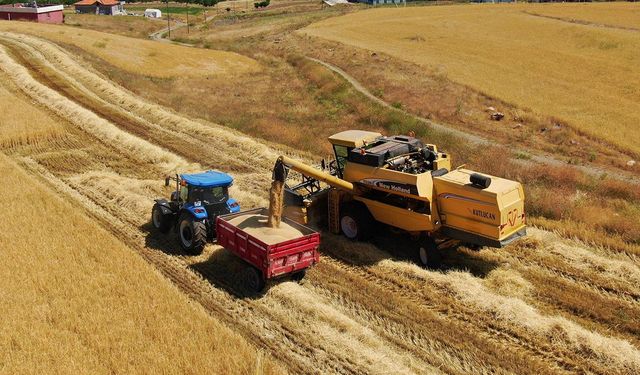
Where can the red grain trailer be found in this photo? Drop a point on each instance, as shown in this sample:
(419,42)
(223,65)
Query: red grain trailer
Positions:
(271,252)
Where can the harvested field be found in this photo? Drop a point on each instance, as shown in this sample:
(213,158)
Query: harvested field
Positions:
(490,49)
(75,299)
(142,56)
(544,305)
(139,27)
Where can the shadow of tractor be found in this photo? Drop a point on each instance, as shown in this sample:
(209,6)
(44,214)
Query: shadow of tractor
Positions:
(221,268)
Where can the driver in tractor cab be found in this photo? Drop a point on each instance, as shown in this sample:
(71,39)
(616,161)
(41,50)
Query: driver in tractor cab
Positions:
(184,190)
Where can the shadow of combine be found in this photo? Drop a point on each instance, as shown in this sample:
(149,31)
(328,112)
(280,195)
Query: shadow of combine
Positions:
(225,271)
(468,260)
(390,246)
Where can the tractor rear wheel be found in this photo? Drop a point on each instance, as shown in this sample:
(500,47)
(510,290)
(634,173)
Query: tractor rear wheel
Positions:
(160,221)
(356,222)
(192,234)
(428,255)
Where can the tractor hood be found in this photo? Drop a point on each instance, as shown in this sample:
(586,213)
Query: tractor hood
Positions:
(207,179)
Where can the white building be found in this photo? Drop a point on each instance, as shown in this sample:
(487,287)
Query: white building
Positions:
(153,13)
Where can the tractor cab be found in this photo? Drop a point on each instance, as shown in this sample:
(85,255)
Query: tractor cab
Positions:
(196,202)
(209,190)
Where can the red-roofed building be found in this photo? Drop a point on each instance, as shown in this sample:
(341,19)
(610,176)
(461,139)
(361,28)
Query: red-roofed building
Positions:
(30,12)
(108,7)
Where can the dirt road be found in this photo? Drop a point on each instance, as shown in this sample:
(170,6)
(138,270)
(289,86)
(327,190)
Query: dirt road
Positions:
(548,305)
(474,138)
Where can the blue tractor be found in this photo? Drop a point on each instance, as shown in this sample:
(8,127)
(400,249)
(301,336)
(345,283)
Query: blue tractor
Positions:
(198,199)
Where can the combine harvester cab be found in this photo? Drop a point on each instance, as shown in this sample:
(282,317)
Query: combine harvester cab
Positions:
(480,209)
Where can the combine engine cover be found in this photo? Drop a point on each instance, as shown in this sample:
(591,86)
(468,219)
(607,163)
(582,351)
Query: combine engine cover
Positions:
(480,209)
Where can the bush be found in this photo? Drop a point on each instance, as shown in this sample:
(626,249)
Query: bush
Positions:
(262,4)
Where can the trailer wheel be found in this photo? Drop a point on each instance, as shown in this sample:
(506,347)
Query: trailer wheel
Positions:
(428,254)
(298,276)
(192,234)
(254,280)
(160,221)
(356,222)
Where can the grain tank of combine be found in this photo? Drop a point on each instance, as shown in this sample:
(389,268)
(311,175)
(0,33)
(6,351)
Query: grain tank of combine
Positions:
(408,185)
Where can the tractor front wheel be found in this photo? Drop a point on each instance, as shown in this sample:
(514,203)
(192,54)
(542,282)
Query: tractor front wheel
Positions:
(160,221)
(192,234)
(428,254)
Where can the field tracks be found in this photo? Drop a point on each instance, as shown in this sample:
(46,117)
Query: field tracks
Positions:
(580,22)
(384,315)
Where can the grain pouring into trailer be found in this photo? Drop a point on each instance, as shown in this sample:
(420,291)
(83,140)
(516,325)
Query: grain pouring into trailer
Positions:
(284,251)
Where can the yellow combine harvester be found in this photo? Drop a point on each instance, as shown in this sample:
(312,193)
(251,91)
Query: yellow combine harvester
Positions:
(407,185)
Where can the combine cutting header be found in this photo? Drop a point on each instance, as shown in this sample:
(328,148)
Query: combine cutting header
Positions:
(408,185)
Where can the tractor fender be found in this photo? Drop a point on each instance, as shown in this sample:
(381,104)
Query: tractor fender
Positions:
(198,212)
(233,205)
(164,206)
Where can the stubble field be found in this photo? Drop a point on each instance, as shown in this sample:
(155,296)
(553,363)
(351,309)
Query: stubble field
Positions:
(548,304)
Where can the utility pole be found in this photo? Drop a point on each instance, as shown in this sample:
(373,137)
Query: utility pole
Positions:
(168,20)
(187,16)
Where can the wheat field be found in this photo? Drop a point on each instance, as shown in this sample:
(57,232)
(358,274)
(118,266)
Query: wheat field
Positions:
(75,299)
(34,123)
(142,56)
(582,74)
(545,305)
(614,14)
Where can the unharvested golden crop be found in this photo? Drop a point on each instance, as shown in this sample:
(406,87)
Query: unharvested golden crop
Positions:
(32,126)
(143,57)
(584,74)
(76,300)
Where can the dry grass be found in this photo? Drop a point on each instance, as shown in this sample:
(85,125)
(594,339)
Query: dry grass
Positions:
(490,49)
(139,27)
(142,57)
(75,299)
(623,15)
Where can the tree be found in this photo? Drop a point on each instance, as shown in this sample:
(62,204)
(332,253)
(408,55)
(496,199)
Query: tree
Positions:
(262,4)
